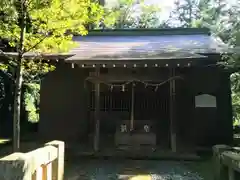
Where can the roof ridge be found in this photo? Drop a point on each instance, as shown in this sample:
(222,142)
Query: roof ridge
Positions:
(149,32)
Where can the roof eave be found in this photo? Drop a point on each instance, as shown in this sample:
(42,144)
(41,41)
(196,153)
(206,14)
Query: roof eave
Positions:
(32,55)
(144,62)
(148,31)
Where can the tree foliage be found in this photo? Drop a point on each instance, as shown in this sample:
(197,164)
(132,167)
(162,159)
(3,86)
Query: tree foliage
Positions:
(47,22)
(42,26)
(199,13)
(224,21)
(185,12)
(31,101)
(232,33)
(131,14)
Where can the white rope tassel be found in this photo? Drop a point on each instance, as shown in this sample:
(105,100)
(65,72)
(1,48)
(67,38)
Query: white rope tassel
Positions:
(123,88)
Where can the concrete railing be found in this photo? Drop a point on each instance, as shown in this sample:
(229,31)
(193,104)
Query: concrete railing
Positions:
(226,162)
(46,163)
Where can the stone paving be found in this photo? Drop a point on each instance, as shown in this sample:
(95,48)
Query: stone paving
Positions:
(128,170)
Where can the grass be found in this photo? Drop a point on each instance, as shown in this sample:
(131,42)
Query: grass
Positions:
(5,147)
(4,141)
(204,168)
(25,146)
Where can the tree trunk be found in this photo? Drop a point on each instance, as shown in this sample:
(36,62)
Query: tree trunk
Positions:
(102,2)
(19,78)
(17,108)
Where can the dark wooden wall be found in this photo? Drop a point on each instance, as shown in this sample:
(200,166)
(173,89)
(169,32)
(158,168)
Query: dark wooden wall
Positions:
(63,107)
(204,126)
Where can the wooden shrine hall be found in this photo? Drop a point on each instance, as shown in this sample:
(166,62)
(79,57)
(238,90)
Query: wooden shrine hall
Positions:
(140,87)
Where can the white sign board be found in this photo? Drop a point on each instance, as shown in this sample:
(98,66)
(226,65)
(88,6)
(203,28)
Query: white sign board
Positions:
(205,100)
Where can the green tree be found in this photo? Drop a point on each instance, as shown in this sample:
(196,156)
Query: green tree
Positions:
(224,21)
(231,34)
(185,12)
(199,13)
(42,26)
(131,14)
(148,17)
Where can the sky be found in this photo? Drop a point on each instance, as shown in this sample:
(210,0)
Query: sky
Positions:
(165,5)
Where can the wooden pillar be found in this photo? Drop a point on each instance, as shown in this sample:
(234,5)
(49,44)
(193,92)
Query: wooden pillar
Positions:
(102,2)
(97,112)
(172,111)
(132,108)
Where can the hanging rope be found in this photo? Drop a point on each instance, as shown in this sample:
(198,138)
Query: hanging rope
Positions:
(146,84)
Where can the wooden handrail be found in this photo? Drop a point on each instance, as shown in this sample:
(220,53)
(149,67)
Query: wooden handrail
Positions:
(45,163)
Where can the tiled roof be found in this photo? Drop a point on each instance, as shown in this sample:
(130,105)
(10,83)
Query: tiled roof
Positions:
(145,46)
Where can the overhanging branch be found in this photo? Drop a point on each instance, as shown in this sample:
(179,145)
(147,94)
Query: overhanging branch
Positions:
(40,41)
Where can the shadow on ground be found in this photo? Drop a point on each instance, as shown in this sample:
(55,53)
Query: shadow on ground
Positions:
(129,170)
(78,168)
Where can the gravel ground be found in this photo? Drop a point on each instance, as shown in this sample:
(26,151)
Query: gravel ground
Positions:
(128,170)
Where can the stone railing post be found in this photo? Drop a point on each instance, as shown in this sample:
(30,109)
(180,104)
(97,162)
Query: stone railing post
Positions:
(15,167)
(58,164)
(231,160)
(220,171)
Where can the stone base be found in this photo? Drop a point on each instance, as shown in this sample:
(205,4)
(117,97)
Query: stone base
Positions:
(135,139)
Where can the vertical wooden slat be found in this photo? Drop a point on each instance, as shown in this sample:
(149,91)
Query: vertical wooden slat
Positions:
(132,109)
(105,102)
(38,174)
(34,175)
(110,101)
(97,112)
(44,172)
(121,102)
(231,173)
(47,172)
(172,111)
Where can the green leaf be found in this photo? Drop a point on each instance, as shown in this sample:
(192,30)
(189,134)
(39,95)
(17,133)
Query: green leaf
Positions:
(46,30)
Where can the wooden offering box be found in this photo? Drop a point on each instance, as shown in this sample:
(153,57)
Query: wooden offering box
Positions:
(141,135)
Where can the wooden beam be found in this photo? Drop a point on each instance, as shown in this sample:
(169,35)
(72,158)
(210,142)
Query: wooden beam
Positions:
(173,111)
(97,112)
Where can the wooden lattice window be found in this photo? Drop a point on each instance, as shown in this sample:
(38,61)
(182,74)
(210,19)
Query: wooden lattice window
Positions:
(112,101)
